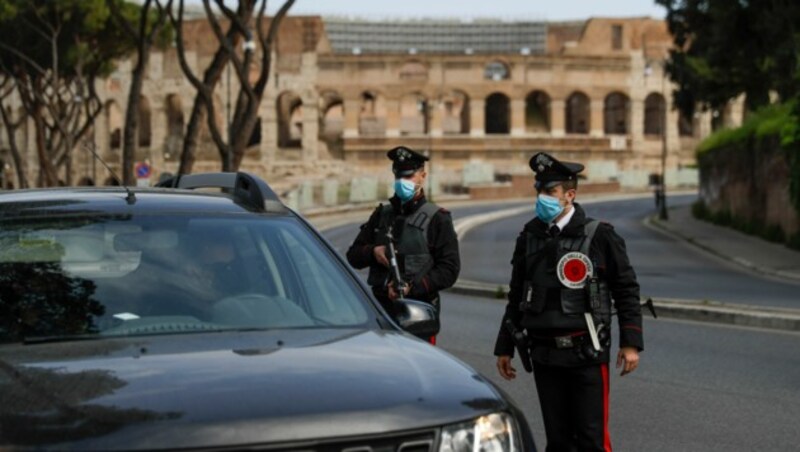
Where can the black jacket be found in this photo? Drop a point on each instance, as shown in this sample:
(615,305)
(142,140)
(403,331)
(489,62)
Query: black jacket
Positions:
(608,253)
(442,240)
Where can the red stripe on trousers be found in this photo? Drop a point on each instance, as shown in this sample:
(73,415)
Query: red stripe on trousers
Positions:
(606,435)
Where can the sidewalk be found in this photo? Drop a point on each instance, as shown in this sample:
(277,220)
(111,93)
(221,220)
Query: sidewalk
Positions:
(748,251)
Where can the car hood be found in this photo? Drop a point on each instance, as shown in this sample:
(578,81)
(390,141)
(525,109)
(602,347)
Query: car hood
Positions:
(222,389)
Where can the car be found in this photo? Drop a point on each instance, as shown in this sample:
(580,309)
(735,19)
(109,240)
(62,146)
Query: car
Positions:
(203,314)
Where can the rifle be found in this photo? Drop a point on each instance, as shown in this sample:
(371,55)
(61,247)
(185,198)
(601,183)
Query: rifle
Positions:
(400,284)
(521,343)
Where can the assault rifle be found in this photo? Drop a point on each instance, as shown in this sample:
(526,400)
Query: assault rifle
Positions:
(399,284)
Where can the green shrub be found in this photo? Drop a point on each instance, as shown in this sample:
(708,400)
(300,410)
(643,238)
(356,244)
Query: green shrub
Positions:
(775,120)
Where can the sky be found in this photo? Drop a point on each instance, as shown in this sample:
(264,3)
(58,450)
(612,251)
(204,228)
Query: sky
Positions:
(551,10)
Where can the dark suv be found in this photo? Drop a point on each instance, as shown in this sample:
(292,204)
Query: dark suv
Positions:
(176,317)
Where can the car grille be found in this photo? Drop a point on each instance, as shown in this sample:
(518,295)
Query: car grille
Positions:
(412,442)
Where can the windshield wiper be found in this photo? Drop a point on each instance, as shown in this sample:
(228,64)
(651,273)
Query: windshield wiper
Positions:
(48,339)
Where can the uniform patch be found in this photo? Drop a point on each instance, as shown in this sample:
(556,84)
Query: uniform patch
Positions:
(573,269)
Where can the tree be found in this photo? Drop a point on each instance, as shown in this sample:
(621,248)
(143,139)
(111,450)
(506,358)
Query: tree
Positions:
(53,53)
(232,147)
(727,48)
(12,125)
(149,20)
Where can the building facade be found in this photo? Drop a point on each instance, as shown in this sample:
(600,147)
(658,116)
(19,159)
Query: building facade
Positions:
(343,92)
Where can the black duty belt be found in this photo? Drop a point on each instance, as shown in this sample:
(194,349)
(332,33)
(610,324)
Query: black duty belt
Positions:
(566,341)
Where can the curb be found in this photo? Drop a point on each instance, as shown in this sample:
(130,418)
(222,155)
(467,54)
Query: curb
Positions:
(698,310)
(652,222)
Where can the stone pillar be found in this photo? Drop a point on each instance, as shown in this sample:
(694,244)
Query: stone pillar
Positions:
(352,109)
(673,135)
(596,117)
(100,135)
(392,117)
(637,119)
(437,118)
(517,117)
(158,137)
(310,127)
(269,131)
(477,117)
(557,117)
(28,145)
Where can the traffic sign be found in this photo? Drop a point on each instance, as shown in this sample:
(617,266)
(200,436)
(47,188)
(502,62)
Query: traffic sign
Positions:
(143,170)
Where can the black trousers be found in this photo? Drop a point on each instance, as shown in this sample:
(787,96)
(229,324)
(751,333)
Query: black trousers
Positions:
(574,403)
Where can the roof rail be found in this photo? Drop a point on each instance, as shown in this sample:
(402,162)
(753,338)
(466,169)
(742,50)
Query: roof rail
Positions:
(245,187)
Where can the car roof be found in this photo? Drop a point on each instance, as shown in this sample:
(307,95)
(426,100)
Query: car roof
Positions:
(113,200)
(244,193)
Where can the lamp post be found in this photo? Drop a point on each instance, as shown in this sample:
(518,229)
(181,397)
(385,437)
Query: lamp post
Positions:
(662,212)
(661,187)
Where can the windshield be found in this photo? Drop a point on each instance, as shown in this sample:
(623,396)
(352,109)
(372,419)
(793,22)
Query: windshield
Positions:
(129,275)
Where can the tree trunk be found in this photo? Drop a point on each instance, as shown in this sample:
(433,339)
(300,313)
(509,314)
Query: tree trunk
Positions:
(129,136)
(190,139)
(210,79)
(11,134)
(46,168)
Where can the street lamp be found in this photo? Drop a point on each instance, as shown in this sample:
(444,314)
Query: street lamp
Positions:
(661,189)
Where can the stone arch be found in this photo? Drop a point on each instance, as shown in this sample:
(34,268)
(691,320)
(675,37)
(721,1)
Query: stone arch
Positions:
(145,132)
(414,70)
(655,110)
(578,118)
(290,120)
(496,70)
(113,125)
(175,125)
(537,112)
(111,182)
(497,114)
(86,181)
(332,118)
(456,113)
(616,114)
(372,114)
(414,114)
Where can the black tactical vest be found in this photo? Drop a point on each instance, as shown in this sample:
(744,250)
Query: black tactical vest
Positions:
(413,254)
(546,302)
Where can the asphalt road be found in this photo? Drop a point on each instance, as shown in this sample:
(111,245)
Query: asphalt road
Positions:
(699,387)
(665,267)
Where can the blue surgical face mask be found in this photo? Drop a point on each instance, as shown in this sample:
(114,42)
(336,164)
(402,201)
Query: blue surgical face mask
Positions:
(548,208)
(405,189)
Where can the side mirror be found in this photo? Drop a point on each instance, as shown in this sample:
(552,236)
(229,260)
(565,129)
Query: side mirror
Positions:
(418,318)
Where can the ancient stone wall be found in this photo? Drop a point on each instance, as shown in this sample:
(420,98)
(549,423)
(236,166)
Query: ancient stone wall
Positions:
(751,183)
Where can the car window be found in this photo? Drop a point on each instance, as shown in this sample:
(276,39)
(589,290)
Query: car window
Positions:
(152,274)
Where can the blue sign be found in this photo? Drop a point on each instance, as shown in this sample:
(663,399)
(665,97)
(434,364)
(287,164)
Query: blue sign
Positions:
(143,170)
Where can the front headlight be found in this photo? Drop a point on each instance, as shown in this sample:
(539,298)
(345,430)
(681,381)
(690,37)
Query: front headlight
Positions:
(496,432)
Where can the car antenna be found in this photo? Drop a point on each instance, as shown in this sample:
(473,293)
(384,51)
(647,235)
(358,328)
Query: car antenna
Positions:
(131,198)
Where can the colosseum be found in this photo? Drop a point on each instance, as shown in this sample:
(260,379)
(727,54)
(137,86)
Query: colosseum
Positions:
(343,91)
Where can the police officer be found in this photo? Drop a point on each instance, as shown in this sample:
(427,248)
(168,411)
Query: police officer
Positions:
(567,269)
(425,240)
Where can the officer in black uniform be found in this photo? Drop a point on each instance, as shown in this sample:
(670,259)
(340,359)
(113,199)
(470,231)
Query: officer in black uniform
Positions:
(425,240)
(567,269)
